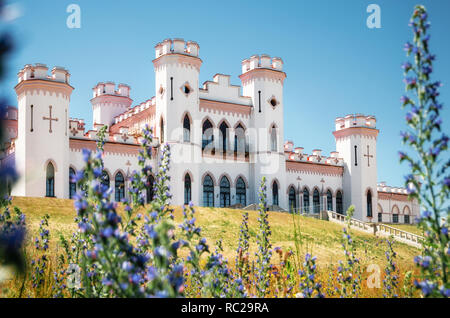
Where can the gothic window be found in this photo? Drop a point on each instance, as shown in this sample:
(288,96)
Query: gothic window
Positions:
(380,217)
(207,135)
(224,192)
(329,201)
(273,139)
(50,181)
(369,204)
(239,140)
(186,129)
(275,200)
(187,188)
(292,201)
(223,137)
(395,218)
(305,200)
(407,219)
(208,192)
(119,187)
(150,188)
(339,205)
(241,192)
(72,184)
(316,201)
(105,179)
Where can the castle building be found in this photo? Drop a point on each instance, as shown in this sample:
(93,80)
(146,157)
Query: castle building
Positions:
(224,139)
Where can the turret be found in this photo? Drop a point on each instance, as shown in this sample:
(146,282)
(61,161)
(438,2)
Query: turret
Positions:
(356,142)
(107,102)
(42,147)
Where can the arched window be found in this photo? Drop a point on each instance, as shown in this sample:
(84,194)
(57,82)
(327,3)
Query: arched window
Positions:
(207,135)
(239,140)
(150,188)
(273,139)
(305,200)
(316,201)
(339,205)
(161,131)
(223,128)
(119,187)
(380,213)
(292,201)
(186,129)
(208,191)
(50,181)
(275,200)
(224,192)
(187,188)
(395,213)
(241,196)
(329,201)
(72,184)
(369,204)
(105,179)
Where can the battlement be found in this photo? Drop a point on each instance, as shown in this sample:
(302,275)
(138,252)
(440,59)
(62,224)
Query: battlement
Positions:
(109,88)
(40,72)
(382,187)
(297,154)
(135,110)
(177,46)
(355,120)
(264,61)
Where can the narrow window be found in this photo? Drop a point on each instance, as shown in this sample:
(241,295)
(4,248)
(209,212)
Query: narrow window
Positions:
(329,201)
(150,188)
(369,204)
(275,200)
(171,88)
(207,135)
(32,109)
(259,95)
(241,192)
(316,201)
(356,156)
(208,192)
(186,129)
(292,201)
(223,137)
(273,139)
(380,217)
(339,205)
(50,181)
(187,189)
(119,187)
(305,200)
(224,192)
(72,184)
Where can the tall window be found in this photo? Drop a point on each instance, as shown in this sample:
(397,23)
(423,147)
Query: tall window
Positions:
(380,217)
(275,200)
(150,188)
(72,184)
(119,187)
(329,201)
(273,139)
(407,219)
(187,188)
(369,204)
(292,201)
(186,129)
(241,196)
(224,192)
(223,137)
(239,140)
(305,200)
(316,201)
(208,191)
(105,179)
(207,135)
(339,205)
(161,130)
(395,218)
(50,181)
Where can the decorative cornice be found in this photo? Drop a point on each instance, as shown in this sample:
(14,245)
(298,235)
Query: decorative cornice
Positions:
(44,85)
(362,131)
(178,58)
(110,147)
(224,107)
(263,73)
(393,196)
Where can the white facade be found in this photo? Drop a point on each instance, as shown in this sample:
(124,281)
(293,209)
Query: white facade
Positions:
(224,139)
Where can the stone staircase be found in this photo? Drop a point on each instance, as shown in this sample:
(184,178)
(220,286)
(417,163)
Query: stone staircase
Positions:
(380,230)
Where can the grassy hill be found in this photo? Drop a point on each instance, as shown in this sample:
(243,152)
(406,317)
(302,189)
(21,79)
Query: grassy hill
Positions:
(321,238)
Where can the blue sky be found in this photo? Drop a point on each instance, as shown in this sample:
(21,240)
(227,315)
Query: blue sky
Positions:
(335,65)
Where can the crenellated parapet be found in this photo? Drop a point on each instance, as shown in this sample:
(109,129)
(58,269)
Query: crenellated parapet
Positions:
(356,124)
(297,154)
(262,67)
(177,51)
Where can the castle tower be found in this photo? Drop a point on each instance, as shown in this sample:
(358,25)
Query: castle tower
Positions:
(356,142)
(42,147)
(107,102)
(177,68)
(262,79)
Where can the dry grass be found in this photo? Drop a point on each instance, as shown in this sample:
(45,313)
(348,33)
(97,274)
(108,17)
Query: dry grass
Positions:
(321,238)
